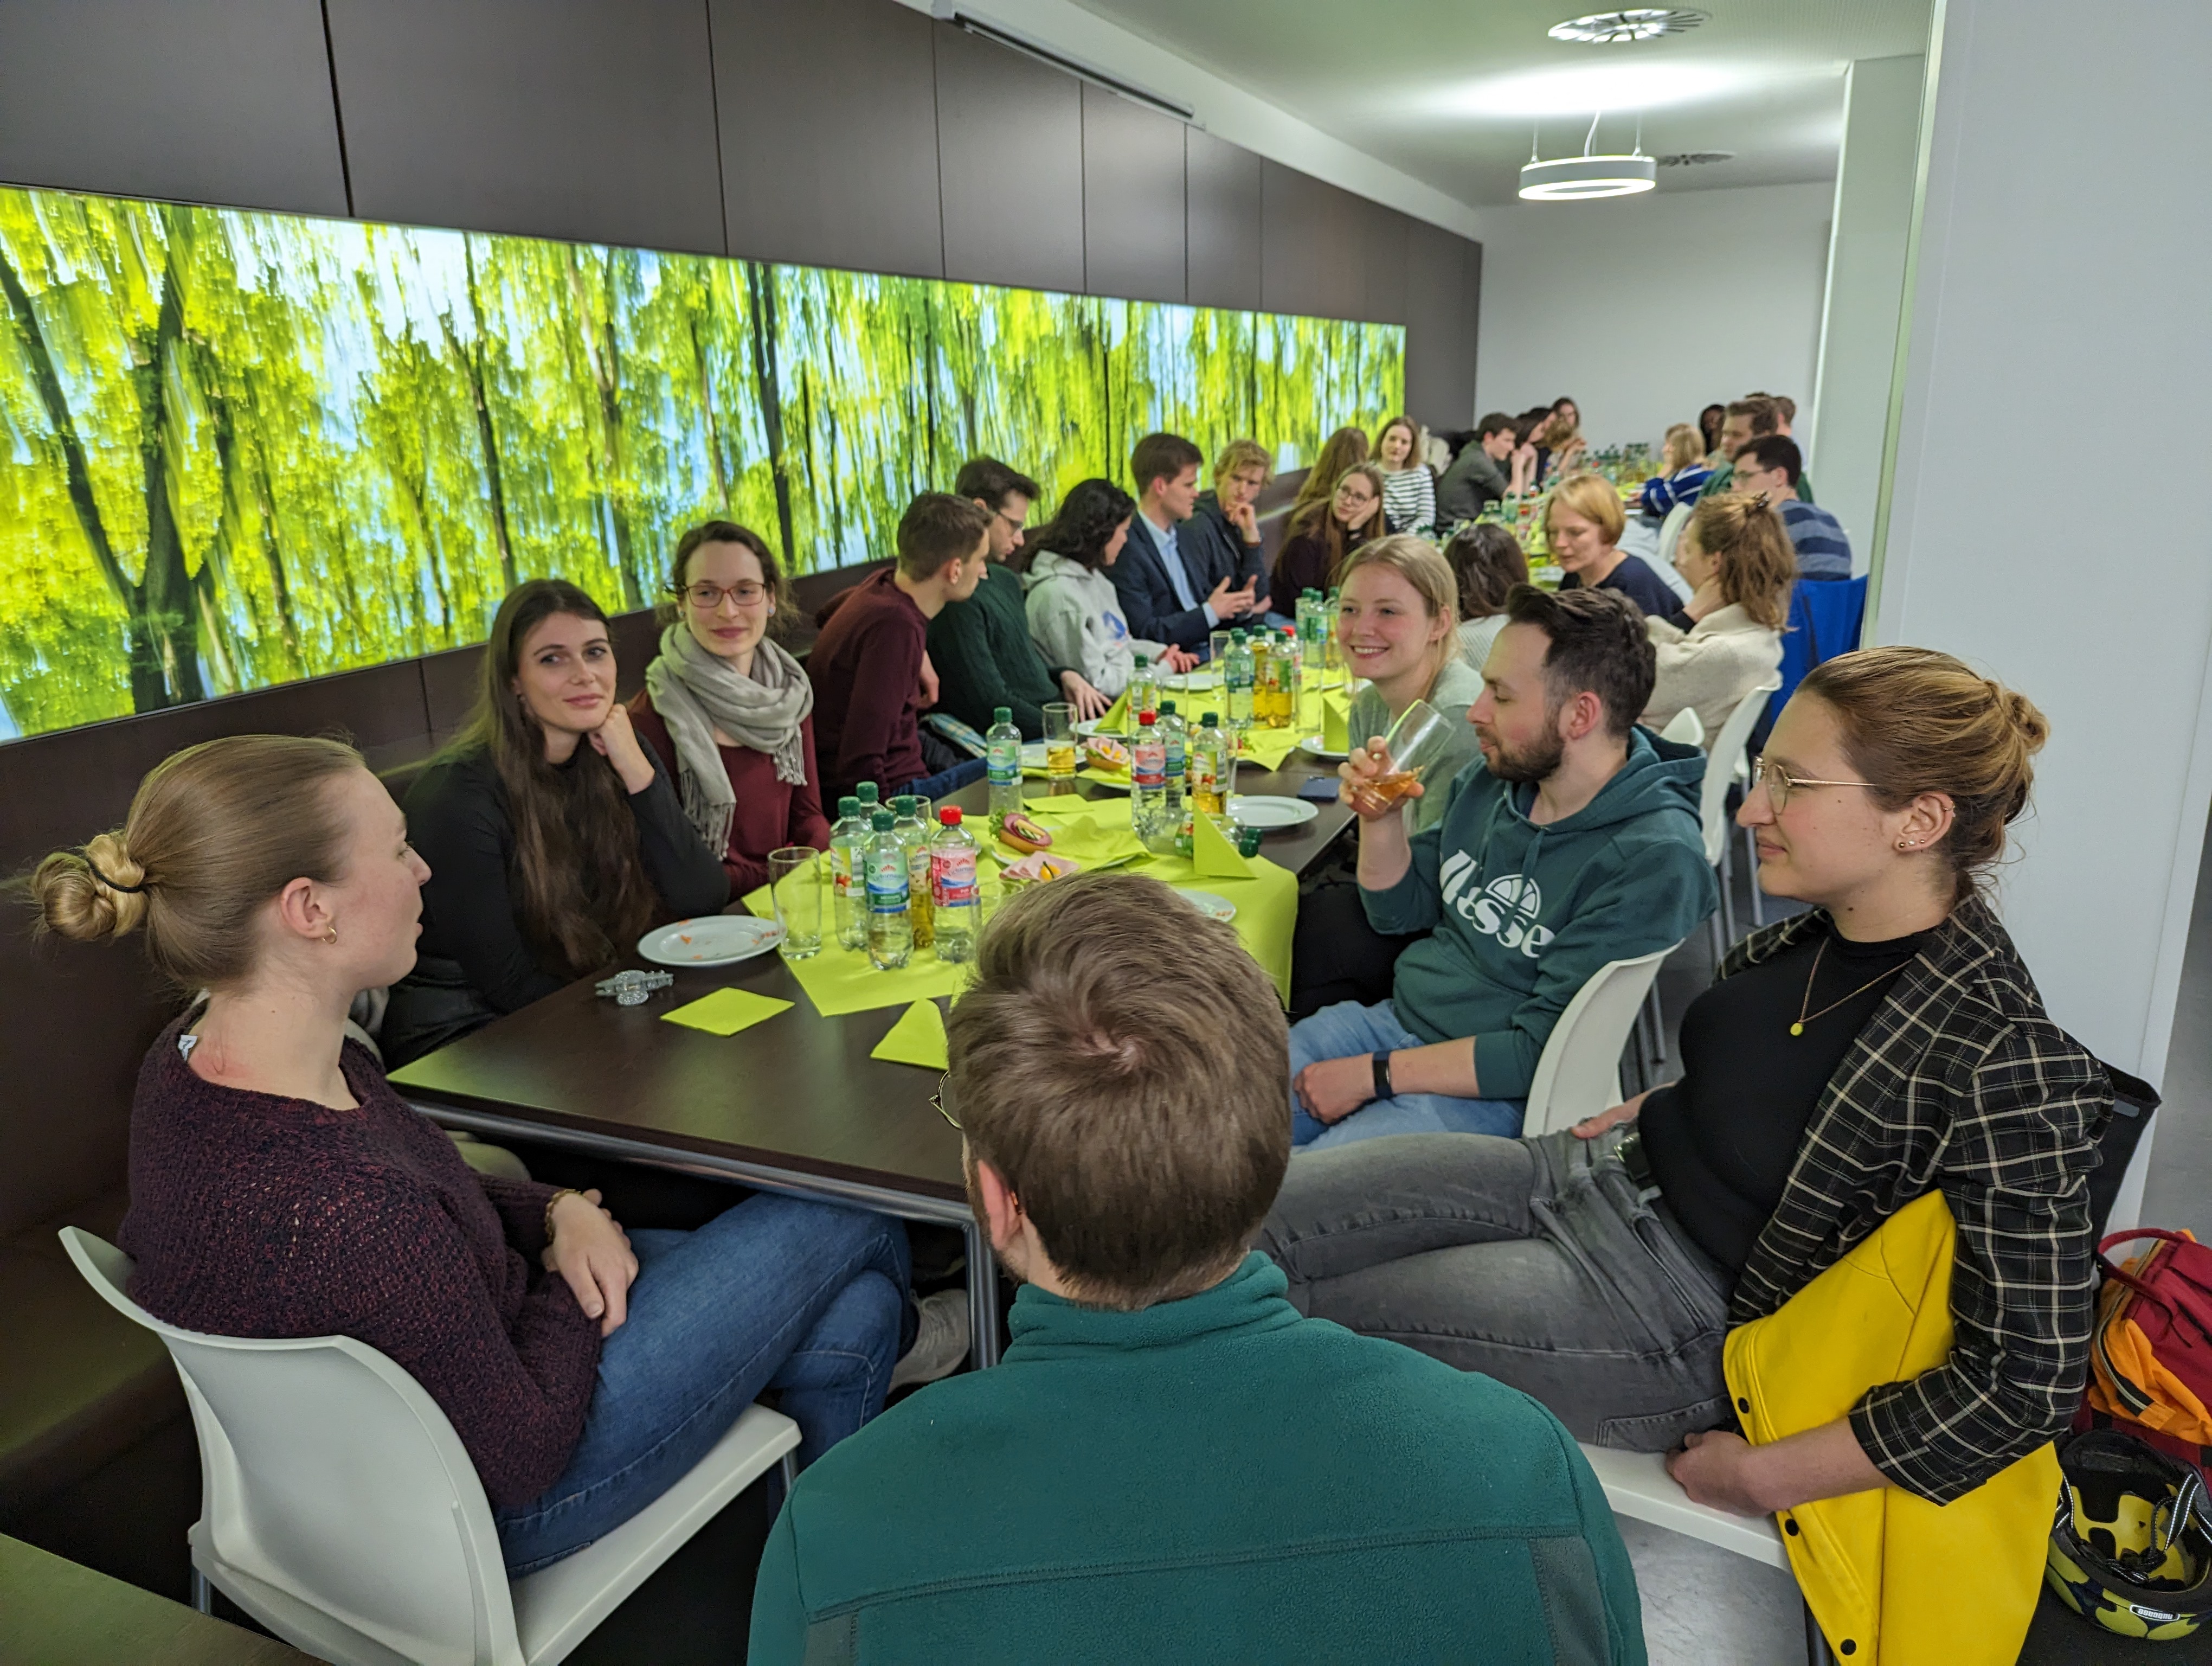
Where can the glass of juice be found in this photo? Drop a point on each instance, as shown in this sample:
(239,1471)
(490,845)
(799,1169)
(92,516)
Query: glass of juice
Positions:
(1415,741)
(1060,747)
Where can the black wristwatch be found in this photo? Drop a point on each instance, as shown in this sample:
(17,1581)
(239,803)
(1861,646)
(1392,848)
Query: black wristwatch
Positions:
(1383,1088)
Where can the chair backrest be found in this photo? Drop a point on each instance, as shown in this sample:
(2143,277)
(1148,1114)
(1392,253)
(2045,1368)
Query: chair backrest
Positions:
(1670,534)
(1579,1073)
(328,1473)
(1720,762)
(1685,728)
(1827,618)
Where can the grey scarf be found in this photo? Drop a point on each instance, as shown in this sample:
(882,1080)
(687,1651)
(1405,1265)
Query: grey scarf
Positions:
(697,693)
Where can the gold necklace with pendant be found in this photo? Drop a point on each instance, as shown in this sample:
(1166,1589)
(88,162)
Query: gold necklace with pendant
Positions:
(1805,1018)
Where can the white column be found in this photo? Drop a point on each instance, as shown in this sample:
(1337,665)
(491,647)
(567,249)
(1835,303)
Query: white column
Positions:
(2047,518)
(1875,175)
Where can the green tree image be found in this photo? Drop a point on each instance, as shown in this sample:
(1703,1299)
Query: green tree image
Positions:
(237,448)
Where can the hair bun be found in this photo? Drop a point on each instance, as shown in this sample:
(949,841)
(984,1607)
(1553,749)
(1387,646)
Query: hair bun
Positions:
(77,895)
(2025,716)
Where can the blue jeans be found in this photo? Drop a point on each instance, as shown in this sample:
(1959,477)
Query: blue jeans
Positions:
(946,781)
(774,1292)
(1347,1028)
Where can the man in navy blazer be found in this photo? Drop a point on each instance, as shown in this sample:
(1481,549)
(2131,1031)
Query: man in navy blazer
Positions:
(1175,573)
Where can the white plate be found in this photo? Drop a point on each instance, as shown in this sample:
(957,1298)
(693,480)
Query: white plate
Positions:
(1088,726)
(1207,903)
(1182,682)
(1312,745)
(713,939)
(1264,811)
(1032,754)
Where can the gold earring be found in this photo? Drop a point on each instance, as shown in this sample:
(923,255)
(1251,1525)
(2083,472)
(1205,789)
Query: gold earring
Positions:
(1906,844)
(331,935)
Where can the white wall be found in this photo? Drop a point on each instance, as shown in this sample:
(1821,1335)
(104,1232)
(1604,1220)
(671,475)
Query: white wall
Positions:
(1645,309)
(1877,177)
(2055,272)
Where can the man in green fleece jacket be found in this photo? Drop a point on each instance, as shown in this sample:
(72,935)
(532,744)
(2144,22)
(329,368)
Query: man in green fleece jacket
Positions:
(1573,841)
(1171,1464)
(981,647)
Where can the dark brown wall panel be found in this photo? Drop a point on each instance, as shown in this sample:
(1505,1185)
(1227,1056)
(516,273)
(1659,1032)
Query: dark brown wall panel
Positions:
(588,119)
(1010,164)
(206,100)
(1384,244)
(1439,327)
(1222,221)
(1312,257)
(828,114)
(1132,200)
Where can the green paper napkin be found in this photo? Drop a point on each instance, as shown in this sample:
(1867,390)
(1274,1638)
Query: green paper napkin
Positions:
(1212,855)
(726,1011)
(1335,725)
(918,1038)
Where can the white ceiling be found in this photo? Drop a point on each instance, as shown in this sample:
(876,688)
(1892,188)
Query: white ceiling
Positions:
(1449,90)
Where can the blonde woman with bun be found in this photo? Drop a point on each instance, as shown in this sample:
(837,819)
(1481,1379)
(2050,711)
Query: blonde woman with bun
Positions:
(1884,1043)
(1727,638)
(279,1186)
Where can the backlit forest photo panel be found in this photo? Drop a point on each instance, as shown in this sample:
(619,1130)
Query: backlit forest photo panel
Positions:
(241,448)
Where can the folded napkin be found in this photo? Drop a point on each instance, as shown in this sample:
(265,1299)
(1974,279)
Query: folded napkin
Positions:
(1212,855)
(918,1038)
(726,1011)
(1336,726)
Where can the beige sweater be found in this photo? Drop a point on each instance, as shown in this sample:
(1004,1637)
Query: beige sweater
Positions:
(1712,667)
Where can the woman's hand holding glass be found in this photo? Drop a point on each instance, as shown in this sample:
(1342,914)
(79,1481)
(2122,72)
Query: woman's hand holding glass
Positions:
(591,1251)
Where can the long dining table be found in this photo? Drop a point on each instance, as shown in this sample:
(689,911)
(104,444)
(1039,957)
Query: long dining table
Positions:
(794,1105)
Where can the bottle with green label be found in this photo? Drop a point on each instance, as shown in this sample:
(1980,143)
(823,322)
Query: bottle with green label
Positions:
(1003,746)
(891,931)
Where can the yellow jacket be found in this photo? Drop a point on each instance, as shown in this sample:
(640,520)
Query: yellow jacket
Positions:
(1892,1577)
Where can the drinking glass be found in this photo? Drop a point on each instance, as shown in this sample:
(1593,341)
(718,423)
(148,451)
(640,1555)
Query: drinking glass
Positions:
(1416,740)
(794,879)
(1060,747)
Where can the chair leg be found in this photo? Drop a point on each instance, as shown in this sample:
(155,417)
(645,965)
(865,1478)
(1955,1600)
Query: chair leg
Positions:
(1817,1651)
(1728,892)
(1751,867)
(202,1593)
(790,1466)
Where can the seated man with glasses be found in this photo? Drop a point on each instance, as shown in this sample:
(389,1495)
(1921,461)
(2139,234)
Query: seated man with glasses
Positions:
(731,713)
(1884,1044)
(1171,1464)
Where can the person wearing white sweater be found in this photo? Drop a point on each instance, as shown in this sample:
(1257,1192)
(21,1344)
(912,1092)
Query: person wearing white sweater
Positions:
(1727,639)
(1074,612)
(1409,490)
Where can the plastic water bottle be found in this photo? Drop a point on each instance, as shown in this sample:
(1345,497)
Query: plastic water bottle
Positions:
(1003,746)
(1174,736)
(890,933)
(846,841)
(952,896)
(1291,652)
(866,792)
(1148,783)
(1209,770)
(913,833)
(1144,687)
(1236,678)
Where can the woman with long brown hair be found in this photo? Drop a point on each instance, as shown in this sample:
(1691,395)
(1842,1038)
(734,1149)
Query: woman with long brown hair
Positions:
(1727,639)
(279,1186)
(1340,451)
(1327,530)
(554,836)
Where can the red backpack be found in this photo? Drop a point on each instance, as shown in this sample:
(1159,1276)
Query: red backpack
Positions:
(2150,1355)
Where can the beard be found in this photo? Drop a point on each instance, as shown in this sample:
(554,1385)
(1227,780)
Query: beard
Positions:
(1536,761)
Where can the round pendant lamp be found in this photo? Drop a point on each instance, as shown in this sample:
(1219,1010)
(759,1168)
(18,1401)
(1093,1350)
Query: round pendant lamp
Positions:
(1575,179)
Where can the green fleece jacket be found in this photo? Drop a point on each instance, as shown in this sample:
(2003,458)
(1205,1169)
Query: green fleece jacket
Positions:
(1520,915)
(985,657)
(1217,1479)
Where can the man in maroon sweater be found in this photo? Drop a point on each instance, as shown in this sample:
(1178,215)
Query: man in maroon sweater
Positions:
(867,665)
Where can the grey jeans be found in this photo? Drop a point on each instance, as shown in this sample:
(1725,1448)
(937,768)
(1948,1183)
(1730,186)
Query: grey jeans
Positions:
(1531,1261)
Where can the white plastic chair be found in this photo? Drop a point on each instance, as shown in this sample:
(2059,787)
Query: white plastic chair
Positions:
(1685,728)
(1722,765)
(1670,534)
(339,1509)
(1578,1073)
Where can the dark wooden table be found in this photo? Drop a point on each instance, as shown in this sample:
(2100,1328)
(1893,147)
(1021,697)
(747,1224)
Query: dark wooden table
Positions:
(792,1105)
(56,1613)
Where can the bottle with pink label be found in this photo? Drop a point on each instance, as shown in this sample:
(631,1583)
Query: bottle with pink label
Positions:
(952,894)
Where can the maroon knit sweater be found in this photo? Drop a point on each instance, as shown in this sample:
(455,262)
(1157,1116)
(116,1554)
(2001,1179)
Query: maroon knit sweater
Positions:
(252,1215)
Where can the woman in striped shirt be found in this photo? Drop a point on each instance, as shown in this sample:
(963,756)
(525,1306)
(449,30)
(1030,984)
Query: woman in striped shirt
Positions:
(1409,490)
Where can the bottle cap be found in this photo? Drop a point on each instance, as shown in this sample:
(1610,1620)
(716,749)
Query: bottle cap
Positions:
(848,808)
(950,815)
(1001,714)
(1235,637)
(867,792)
(903,803)
(1211,721)
(1167,708)
(882,823)
(1142,662)
(1145,720)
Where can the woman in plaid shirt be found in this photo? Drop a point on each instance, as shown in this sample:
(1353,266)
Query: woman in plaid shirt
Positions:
(1884,1044)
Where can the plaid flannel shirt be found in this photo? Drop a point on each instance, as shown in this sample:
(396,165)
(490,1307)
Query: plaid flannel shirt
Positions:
(1960,1083)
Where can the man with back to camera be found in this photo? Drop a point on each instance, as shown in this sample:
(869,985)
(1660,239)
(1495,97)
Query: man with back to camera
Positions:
(1574,840)
(1174,578)
(1477,475)
(1171,1464)
(1775,466)
(867,665)
(981,648)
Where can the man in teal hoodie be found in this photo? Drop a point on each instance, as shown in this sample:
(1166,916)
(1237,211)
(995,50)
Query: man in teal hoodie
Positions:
(1574,841)
(1170,1464)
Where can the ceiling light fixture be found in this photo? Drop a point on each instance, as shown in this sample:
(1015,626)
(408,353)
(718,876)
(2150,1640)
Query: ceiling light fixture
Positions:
(1579,178)
(1614,29)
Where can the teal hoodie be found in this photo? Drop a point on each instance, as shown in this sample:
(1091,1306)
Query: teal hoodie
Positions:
(1216,1479)
(1523,914)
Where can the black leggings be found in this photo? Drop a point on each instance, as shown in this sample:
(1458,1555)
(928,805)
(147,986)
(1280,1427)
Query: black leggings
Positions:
(1335,955)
